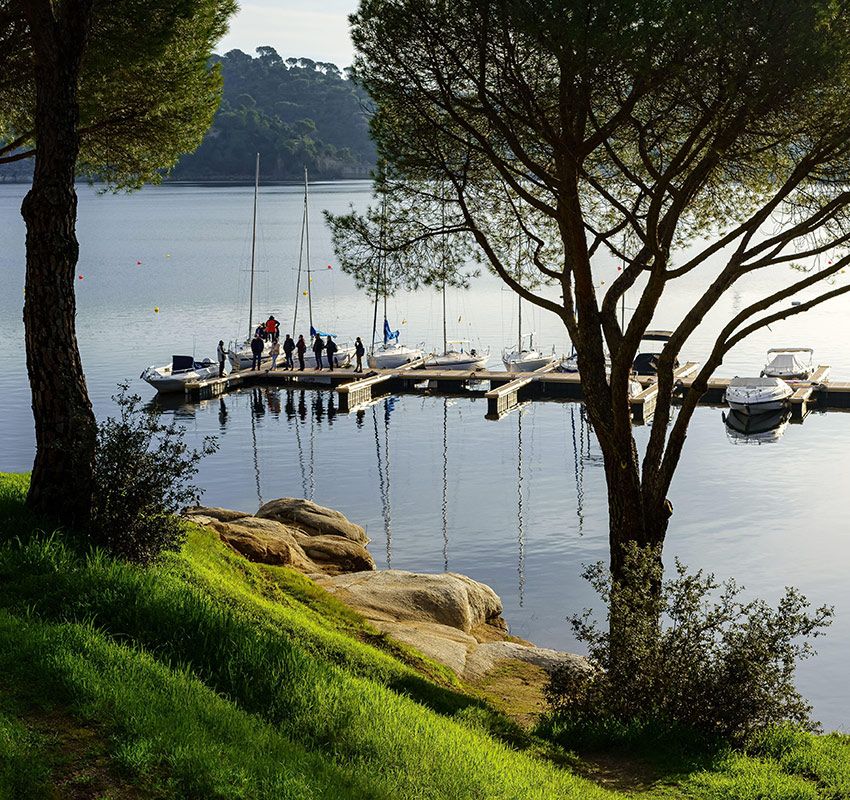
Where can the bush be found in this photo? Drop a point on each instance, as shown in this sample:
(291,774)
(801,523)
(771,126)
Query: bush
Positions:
(685,656)
(143,472)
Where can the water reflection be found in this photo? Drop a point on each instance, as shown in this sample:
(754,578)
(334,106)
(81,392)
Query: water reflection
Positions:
(258,411)
(384,472)
(519,513)
(444,511)
(757,429)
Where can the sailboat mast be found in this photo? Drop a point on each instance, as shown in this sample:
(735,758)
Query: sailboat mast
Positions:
(298,279)
(519,325)
(378,268)
(445,338)
(253,248)
(307,240)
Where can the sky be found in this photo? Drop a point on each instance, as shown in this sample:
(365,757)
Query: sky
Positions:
(295,28)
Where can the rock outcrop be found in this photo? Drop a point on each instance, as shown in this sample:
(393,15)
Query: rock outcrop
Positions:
(449,617)
(293,533)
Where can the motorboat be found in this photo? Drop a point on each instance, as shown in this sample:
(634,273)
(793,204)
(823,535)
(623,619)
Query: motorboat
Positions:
(760,429)
(789,363)
(526,359)
(646,361)
(460,356)
(182,370)
(751,396)
(390,356)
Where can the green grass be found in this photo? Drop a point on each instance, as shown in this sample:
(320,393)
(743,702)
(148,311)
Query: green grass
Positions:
(206,676)
(245,668)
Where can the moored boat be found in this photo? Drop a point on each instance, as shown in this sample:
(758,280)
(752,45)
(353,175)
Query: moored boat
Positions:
(752,396)
(789,363)
(526,359)
(392,355)
(182,370)
(459,358)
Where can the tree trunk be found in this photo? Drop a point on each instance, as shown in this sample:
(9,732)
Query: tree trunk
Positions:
(637,525)
(61,484)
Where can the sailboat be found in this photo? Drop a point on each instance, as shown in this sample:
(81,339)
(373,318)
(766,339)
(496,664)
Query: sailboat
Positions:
(525,359)
(461,355)
(240,355)
(345,352)
(391,353)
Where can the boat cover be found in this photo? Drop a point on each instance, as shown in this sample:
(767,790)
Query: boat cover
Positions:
(752,391)
(787,364)
(181,363)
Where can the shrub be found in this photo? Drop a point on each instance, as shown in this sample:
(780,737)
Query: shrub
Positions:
(143,472)
(685,656)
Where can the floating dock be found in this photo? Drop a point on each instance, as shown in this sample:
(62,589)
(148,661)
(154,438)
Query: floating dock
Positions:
(504,391)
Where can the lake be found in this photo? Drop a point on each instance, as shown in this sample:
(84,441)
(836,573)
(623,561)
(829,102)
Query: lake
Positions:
(518,504)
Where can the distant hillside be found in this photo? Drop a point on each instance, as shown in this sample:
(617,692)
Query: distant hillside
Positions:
(294,113)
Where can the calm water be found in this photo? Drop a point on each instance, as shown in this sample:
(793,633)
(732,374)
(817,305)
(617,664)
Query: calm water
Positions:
(519,503)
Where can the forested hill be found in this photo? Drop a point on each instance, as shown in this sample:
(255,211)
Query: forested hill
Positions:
(294,113)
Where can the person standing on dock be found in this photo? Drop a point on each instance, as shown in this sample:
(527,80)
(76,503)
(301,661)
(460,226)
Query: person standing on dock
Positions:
(257,347)
(288,347)
(301,347)
(274,353)
(272,328)
(318,346)
(222,355)
(359,352)
(330,350)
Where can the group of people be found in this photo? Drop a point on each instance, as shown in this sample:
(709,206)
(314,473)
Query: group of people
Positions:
(270,332)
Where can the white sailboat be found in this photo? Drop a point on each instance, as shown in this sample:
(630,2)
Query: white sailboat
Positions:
(345,352)
(239,353)
(525,359)
(391,353)
(460,355)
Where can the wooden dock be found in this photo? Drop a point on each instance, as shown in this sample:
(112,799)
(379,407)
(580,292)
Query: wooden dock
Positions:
(643,404)
(503,398)
(503,391)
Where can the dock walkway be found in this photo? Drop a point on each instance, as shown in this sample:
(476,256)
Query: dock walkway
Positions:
(503,391)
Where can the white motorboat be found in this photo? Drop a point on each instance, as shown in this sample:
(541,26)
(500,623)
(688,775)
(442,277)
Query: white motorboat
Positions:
(751,396)
(182,370)
(460,358)
(760,429)
(526,359)
(390,356)
(789,363)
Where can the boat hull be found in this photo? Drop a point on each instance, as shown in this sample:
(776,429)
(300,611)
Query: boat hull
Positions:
(754,409)
(754,396)
(465,362)
(526,362)
(393,357)
(166,383)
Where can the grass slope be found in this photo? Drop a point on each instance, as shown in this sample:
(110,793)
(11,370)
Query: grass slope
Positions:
(207,673)
(210,677)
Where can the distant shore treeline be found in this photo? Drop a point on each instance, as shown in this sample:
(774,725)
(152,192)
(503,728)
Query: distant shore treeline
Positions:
(294,113)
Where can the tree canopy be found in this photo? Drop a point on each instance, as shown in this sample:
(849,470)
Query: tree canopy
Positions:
(147,90)
(665,135)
